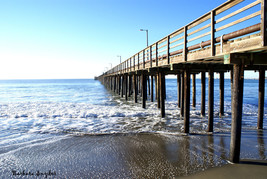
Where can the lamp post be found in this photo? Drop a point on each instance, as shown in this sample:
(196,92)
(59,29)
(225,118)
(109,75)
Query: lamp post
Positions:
(120,58)
(146,35)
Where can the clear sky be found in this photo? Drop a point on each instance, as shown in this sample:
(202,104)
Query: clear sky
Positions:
(45,39)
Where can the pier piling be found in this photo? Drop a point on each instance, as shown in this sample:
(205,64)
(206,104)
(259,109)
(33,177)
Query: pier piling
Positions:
(211,100)
(221,94)
(203,93)
(186,100)
(194,90)
(261,98)
(237,104)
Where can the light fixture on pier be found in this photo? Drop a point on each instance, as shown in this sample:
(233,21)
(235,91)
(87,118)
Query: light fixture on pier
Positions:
(146,35)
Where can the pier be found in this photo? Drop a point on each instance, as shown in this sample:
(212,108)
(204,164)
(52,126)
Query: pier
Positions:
(230,38)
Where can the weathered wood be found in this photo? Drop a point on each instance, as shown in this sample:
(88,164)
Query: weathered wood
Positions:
(182,95)
(158,89)
(179,90)
(227,5)
(194,90)
(261,98)
(221,94)
(264,22)
(148,84)
(122,85)
(186,100)
(198,30)
(211,101)
(168,49)
(198,37)
(144,83)
(237,104)
(212,33)
(135,88)
(203,93)
(162,94)
(232,90)
(239,21)
(238,11)
(152,89)
(126,87)
(185,44)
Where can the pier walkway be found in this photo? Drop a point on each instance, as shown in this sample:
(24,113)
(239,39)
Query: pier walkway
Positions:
(230,38)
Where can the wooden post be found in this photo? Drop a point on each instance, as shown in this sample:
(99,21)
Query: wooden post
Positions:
(114,83)
(179,90)
(185,44)
(162,94)
(152,89)
(182,96)
(119,90)
(232,90)
(221,94)
(126,87)
(148,84)
(261,98)
(203,93)
(211,100)
(130,86)
(186,100)
(122,85)
(158,89)
(194,90)
(264,22)
(144,82)
(212,32)
(237,104)
(135,88)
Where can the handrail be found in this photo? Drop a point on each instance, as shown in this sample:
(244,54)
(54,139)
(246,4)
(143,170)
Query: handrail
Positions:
(197,34)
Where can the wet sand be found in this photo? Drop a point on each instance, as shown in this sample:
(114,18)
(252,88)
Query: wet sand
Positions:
(246,169)
(142,155)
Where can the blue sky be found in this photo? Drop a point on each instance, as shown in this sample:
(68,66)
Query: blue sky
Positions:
(44,39)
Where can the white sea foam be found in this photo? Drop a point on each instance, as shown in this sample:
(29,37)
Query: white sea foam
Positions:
(49,117)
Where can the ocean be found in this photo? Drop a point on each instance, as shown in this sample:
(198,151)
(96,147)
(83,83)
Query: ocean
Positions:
(37,112)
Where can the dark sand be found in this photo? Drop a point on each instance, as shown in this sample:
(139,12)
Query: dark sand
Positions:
(136,156)
(247,169)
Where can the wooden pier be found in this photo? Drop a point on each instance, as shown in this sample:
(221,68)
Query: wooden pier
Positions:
(230,38)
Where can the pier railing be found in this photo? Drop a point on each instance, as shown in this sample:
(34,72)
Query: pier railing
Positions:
(205,38)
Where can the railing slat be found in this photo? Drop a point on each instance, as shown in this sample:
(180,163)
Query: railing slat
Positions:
(239,21)
(238,11)
(200,36)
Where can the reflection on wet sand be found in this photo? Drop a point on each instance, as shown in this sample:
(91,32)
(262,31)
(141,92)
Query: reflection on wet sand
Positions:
(142,155)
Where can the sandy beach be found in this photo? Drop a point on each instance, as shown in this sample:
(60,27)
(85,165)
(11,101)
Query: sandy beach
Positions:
(142,155)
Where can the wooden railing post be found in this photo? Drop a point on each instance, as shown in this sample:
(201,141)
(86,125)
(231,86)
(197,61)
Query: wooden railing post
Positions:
(264,22)
(138,61)
(144,59)
(150,55)
(157,58)
(185,44)
(134,62)
(168,49)
(212,33)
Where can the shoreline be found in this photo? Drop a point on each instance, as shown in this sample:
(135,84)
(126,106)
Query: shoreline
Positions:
(141,155)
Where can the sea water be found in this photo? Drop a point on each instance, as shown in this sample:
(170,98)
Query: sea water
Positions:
(31,110)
